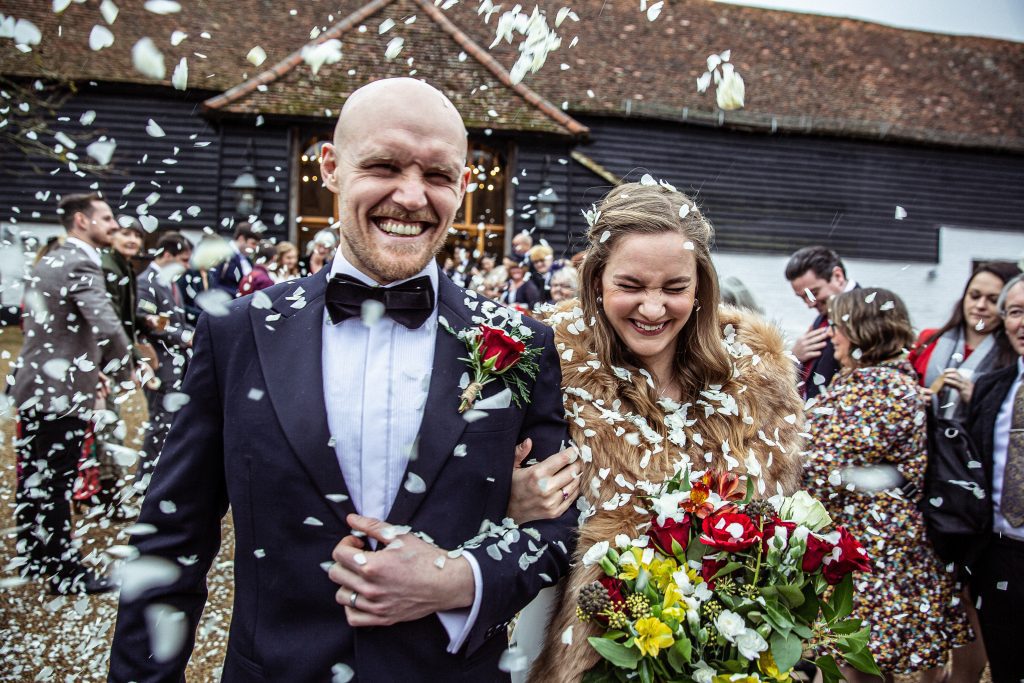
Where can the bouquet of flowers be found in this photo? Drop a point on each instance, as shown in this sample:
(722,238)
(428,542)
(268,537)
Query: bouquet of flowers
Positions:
(724,588)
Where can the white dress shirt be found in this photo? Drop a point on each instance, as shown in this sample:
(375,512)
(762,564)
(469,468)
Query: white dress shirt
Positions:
(90,251)
(1000,445)
(376,380)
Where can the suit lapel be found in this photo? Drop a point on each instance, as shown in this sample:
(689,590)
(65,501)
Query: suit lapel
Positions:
(289,340)
(442,425)
(1001,386)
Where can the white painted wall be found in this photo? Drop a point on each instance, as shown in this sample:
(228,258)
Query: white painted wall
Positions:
(929,290)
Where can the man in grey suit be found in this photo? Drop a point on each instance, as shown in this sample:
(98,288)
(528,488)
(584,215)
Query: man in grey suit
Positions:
(73,342)
(160,299)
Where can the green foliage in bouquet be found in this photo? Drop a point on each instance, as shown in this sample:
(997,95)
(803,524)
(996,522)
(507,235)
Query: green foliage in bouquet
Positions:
(725,589)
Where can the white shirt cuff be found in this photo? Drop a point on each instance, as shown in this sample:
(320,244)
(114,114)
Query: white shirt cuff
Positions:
(459,622)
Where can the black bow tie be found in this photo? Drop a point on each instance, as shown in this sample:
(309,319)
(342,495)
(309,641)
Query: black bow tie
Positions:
(409,303)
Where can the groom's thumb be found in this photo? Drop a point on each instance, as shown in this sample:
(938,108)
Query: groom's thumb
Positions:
(523,450)
(372,527)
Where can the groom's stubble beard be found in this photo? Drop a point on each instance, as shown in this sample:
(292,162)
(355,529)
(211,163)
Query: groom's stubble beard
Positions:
(398,261)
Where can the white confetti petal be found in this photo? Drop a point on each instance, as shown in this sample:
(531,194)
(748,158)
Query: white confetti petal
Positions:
(175,401)
(342,673)
(394,47)
(257,56)
(109,11)
(162,6)
(178,37)
(148,60)
(513,659)
(100,37)
(168,507)
(26,33)
(180,77)
(371,312)
(312,521)
(145,572)
(168,631)
(901,213)
(414,483)
(102,151)
(154,130)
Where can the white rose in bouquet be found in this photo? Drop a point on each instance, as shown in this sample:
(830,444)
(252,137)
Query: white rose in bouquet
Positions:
(804,510)
(595,554)
(751,644)
(730,625)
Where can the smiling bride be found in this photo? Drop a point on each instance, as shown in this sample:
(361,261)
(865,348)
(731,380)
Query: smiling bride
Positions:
(654,372)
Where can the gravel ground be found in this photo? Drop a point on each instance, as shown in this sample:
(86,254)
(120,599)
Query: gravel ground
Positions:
(66,638)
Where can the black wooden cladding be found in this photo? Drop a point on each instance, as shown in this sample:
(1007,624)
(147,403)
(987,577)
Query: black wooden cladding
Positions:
(206,162)
(775,194)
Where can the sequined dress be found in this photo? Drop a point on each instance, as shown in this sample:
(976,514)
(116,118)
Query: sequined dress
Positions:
(874,416)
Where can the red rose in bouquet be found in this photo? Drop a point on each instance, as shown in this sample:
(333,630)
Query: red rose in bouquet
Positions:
(769,531)
(671,530)
(817,549)
(851,557)
(614,587)
(498,346)
(730,531)
(709,568)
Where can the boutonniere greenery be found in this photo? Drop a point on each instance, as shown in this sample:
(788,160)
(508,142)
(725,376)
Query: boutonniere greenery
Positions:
(497,352)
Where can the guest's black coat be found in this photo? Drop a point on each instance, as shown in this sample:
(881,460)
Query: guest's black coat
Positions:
(254,436)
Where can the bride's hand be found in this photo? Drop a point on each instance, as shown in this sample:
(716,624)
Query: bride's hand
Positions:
(545,490)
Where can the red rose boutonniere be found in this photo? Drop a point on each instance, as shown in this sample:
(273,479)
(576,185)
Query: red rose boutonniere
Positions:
(496,352)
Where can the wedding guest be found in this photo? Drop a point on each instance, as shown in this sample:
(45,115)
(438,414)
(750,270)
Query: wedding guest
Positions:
(287,263)
(229,273)
(970,343)
(319,252)
(645,342)
(519,290)
(995,420)
(68,319)
(870,420)
(494,284)
(816,274)
(171,336)
(565,284)
(263,262)
(103,437)
(952,358)
(521,244)
(542,258)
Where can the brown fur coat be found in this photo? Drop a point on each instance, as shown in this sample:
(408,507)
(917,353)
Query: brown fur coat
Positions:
(764,392)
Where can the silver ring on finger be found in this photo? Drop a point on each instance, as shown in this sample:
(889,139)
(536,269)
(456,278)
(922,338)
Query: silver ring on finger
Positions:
(352,600)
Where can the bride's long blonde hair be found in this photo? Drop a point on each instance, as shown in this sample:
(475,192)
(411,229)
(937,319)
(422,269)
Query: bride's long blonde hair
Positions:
(700,358)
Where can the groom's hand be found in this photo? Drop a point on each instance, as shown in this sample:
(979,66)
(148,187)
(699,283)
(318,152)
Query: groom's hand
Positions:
(405,579)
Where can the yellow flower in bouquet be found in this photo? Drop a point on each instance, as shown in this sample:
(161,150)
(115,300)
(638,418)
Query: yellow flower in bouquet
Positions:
(736,678)
(653,636)
(629,564)
(766,664)
(673,606)
(661,571)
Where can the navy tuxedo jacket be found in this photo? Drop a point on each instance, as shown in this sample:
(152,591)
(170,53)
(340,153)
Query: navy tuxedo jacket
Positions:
(254,436)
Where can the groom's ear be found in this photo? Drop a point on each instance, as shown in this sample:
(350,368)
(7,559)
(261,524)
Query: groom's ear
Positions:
(329,167)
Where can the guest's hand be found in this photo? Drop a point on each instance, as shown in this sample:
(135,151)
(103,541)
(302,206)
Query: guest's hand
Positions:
(810,344)
(405,579)
(957,380)
(545,490)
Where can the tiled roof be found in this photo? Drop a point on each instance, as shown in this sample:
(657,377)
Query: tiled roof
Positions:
(804,73)
(434,49)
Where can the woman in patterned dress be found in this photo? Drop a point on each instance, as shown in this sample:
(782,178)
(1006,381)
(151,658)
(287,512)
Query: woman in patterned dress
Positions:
(867,446)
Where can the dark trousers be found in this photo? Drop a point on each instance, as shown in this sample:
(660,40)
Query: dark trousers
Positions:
(156,433)
(997,581)
(48,451)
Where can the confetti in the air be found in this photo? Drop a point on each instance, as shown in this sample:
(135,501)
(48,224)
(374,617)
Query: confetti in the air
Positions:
(148,60)
(394,47)
(100,37)
(256,56)
(901,213)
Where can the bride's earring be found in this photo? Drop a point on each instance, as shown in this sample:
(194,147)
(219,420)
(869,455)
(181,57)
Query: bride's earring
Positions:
(600,299)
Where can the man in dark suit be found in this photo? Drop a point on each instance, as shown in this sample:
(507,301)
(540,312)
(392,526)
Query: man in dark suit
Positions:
(816,274)
(72,336)
(229,273)
(368,511)
(996,423)
(161,304)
